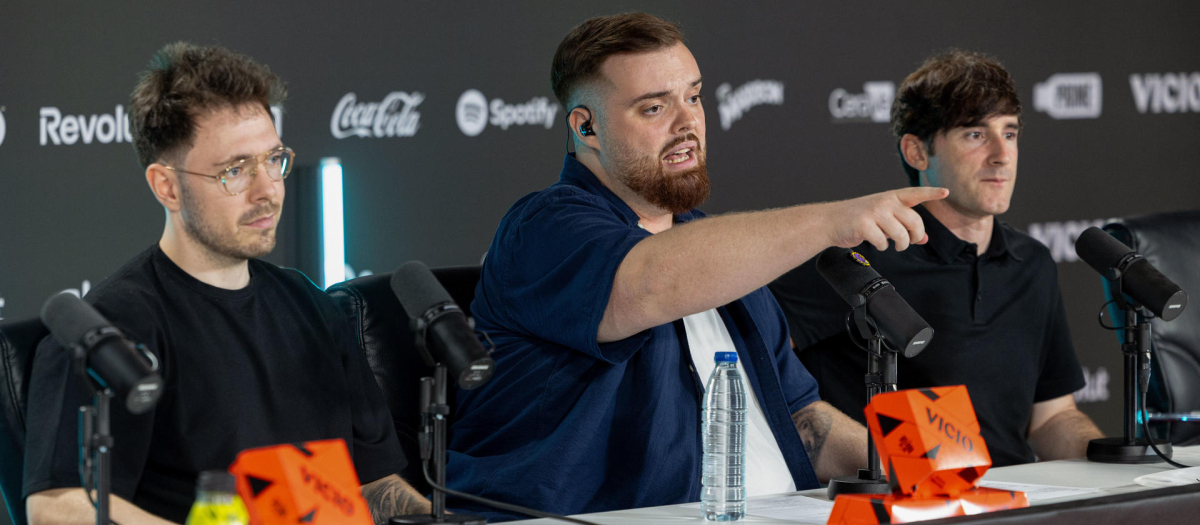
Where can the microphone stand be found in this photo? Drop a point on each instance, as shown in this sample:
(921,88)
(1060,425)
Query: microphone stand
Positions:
(1136,350)
(95,440)
(881,377)
(435,412)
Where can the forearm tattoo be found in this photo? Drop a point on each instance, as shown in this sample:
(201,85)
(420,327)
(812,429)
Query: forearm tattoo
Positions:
(390,497)
(813,426)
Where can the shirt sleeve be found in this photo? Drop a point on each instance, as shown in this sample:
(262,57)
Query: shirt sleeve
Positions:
(799,386)
(1060,374)
(376,450)
(554,272)
(52,453)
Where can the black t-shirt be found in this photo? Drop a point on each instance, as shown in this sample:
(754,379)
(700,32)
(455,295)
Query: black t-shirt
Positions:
(999,328)
(274,362)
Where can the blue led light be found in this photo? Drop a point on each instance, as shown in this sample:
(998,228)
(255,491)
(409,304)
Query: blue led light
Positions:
(333,237)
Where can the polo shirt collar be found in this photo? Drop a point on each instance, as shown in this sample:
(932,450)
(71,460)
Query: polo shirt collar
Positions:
(947,246)
(576,174)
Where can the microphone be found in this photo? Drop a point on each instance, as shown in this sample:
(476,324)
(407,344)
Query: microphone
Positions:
(851,275)
(1140,279)
(441,326)
(111,359)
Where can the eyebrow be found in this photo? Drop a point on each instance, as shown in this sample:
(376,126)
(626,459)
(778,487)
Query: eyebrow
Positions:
(243,156)
(660,94)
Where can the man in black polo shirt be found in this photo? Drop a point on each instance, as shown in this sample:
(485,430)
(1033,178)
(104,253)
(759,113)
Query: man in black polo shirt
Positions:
(251,354)
(989,291)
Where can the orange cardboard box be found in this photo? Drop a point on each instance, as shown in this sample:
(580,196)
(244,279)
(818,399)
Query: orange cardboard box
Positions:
(872,509)
(928,440)
(312,482)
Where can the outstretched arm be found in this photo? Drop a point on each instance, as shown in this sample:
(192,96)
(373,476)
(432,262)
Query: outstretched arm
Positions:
(710,262)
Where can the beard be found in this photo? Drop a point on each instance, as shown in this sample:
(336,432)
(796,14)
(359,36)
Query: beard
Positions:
(200,227)
(675,192)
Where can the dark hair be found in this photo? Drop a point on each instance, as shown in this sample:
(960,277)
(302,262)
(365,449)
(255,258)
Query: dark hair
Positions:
(584,49)
(953,89)
(184,81)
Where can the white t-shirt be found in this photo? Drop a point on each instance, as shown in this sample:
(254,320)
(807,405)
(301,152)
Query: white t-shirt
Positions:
(766,470)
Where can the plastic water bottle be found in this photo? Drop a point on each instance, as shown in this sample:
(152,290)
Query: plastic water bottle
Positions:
(217,502)
(723,434)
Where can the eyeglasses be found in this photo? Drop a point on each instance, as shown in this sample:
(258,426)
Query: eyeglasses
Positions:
(237,177)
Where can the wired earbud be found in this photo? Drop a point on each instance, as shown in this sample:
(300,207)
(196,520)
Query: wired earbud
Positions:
(585,128)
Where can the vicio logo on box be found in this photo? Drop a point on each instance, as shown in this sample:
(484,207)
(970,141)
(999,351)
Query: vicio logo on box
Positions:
(1070,96)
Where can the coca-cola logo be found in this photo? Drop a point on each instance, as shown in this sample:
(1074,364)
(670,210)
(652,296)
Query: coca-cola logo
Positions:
(395,116)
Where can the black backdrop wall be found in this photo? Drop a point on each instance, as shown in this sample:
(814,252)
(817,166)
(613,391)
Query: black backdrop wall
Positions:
(796,98)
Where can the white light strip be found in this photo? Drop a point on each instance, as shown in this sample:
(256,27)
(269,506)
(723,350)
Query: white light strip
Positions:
(333,237)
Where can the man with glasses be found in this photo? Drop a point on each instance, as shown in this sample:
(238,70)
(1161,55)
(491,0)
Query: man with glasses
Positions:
(251,354)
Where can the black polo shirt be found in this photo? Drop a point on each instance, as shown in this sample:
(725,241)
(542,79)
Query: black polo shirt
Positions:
(999,322)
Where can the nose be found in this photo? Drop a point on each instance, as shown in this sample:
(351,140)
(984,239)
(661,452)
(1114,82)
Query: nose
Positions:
(688,118)
(1003,152)
(262,187)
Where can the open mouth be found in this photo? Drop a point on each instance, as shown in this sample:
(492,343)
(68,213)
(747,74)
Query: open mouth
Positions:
(678,156)
(682,152)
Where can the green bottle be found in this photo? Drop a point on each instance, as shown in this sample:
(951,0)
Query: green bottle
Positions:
(217,502)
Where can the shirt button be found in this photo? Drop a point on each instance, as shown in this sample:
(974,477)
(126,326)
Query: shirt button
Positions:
(978,297)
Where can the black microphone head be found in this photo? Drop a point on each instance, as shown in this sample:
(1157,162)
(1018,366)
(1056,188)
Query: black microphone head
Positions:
(417,289)
(112,360)
(1140,280)
(449,339)
(70,318)
(846,270)
(1100,250)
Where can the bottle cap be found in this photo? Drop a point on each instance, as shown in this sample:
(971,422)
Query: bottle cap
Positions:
(215,481)
(726,357)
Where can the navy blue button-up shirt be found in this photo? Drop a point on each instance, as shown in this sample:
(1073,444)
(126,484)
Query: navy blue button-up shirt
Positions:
(570,425)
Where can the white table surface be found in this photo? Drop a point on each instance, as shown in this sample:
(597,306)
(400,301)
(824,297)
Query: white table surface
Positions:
(1109,478)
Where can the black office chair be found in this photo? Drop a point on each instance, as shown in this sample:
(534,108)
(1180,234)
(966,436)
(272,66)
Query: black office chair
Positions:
(1171,242)
(389,344)
(18,341)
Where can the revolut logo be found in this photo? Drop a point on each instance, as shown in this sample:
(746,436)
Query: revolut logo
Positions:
(733,103)
(473,113)
(1060,237)
(395,116)
(1166,92)
(874,104)
(1069,96)
(55,128)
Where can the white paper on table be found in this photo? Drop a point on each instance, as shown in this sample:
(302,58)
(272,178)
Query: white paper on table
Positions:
(1170,478)
(1037,492)
(793,507)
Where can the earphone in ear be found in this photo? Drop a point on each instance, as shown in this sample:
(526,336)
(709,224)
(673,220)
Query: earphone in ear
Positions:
(585,129)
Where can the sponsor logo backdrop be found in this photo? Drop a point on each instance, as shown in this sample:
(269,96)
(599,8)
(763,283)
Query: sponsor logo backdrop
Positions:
(442,116)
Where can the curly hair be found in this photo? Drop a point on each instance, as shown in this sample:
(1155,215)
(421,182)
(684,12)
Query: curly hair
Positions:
(953,89)
(183,82)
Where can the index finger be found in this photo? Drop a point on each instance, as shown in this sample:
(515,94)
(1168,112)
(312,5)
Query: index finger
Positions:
(913,196)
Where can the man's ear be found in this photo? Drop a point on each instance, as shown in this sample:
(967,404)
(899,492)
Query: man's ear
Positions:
(914,151)
(579,117)
(164,184)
